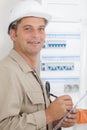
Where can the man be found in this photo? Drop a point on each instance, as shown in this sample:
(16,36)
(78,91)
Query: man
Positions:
(24,104)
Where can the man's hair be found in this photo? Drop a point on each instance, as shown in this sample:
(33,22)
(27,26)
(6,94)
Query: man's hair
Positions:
(14,25)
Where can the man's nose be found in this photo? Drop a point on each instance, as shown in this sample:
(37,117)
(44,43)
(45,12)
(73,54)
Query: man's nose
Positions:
(36,33)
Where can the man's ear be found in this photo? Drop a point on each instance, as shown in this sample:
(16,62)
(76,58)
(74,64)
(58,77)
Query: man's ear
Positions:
(12,34)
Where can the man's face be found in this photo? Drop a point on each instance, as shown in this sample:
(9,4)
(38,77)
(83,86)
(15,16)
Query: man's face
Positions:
(29,36)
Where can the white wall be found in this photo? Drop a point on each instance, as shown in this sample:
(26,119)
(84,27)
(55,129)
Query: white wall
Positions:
(83,83)
(6,44)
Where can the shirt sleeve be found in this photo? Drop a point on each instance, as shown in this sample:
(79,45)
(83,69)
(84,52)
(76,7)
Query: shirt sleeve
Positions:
(10,104)
(82,116)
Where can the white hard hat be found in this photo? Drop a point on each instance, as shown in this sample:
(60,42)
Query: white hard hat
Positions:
(28,8)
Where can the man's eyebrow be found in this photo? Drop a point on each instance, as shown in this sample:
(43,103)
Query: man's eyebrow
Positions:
(32,26)
(42,26)
(27,25)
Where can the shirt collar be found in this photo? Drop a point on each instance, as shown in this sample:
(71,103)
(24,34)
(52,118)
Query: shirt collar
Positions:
(21,62)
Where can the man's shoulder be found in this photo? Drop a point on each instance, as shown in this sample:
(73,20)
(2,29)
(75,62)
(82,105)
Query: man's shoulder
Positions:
(7,64)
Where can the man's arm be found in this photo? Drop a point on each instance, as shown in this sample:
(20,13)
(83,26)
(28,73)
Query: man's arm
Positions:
(11,103)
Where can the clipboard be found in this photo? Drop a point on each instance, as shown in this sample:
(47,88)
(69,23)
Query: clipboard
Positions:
(67,114)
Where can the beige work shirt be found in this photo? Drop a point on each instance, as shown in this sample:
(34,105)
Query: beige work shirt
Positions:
(22,96)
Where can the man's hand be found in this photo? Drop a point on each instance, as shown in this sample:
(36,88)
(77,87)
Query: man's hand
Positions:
(70,120)
(58,108)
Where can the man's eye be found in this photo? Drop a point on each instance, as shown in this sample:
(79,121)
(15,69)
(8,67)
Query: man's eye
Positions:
(41,29)
(27,28)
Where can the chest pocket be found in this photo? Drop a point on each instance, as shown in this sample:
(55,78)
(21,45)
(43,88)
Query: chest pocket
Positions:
(33,94)
(36,97)
(34,101)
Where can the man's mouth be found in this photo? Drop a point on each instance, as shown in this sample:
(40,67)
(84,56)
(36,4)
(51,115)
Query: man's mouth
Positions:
(33,43)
